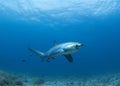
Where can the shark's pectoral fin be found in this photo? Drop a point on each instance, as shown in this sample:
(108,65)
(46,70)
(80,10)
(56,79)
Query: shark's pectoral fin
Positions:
(69,57)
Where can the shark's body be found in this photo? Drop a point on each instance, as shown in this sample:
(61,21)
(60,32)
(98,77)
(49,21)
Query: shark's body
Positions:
(65,49)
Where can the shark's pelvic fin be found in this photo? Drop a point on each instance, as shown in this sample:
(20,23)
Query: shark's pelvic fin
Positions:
(40,54)
(69,57)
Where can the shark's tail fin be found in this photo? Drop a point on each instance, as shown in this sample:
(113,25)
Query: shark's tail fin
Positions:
(40,54)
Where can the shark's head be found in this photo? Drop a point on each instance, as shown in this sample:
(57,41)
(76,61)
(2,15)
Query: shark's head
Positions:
(72,47)
(77,45)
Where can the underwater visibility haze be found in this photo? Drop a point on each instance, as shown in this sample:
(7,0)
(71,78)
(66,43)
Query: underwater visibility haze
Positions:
(38,24)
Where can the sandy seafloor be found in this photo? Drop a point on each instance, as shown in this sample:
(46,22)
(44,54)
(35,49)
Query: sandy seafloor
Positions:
(11,79)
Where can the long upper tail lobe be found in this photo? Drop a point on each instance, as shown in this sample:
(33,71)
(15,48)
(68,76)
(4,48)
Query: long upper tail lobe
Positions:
(40,54)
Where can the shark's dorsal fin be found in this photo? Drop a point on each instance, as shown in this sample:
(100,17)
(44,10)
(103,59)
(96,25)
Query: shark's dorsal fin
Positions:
(55,43)
(69,57)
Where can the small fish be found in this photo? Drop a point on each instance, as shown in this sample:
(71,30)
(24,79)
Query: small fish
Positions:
(23,60)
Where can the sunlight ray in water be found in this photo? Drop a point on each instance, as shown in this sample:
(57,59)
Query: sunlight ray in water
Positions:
(35,10)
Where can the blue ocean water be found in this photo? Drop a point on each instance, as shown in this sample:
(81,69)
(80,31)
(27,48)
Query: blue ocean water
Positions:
(37,24)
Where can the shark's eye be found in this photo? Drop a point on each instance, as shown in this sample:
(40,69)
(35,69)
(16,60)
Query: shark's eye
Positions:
(77,46)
